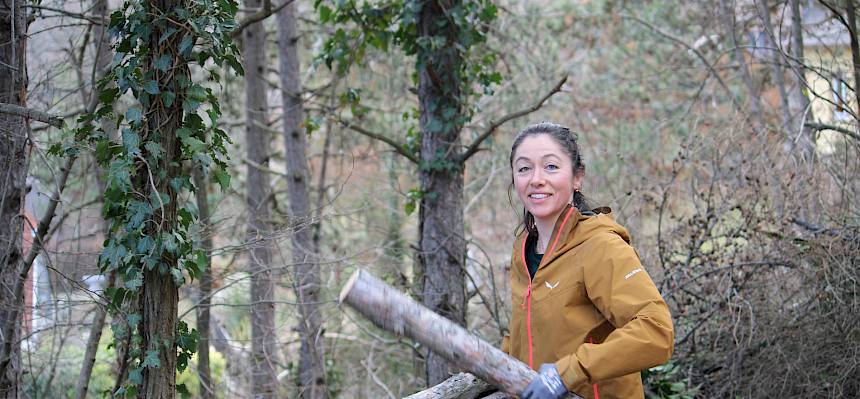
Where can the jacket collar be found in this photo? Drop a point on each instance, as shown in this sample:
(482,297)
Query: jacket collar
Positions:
(566,222)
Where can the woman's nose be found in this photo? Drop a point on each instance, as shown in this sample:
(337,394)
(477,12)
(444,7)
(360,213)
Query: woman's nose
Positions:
(537,178)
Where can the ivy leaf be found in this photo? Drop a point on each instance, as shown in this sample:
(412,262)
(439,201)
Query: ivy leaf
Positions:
(154,149)
(134,284)
(133,114)
(151,359)
(223,178)
(185,45)
(167,98)
(151,87)
(163,62)
(108,95)
(133,319)
(178,278)
(135,376)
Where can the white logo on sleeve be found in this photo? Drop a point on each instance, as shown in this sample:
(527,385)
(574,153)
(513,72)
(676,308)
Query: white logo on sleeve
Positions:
(551,286)
(632,273)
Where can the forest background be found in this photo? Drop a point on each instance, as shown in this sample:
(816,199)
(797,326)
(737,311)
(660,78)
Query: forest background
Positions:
(182,194)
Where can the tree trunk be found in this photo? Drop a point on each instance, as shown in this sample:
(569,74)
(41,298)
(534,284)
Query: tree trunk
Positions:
(397,313)
(13,167)
(264,350)
(205,292)
(159,294)
(727,15)
(311,382)
(442,244)
(855,51)
(776,63)
(798,102)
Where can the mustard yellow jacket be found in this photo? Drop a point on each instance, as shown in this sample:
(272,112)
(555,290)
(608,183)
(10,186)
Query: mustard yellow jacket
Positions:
(591,309)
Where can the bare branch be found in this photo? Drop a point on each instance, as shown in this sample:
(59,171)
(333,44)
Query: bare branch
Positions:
(258,16)
(694,50)
(24,269)
(397,146)
(822,126)
(33,114)
(475,146)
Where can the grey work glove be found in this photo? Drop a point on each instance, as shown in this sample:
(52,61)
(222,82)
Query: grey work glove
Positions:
(547,385)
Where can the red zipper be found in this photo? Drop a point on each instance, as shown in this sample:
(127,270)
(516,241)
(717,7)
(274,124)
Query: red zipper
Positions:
(527,298)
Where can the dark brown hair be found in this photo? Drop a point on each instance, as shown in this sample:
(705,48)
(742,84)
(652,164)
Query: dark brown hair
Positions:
(568,142)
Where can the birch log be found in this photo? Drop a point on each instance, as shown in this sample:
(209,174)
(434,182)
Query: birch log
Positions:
(395,312)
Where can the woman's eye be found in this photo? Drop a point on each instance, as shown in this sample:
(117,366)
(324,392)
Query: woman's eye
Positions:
(523,169)
(551,167)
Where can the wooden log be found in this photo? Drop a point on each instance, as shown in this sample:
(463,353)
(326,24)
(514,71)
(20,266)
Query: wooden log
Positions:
(395,312)
(459,386)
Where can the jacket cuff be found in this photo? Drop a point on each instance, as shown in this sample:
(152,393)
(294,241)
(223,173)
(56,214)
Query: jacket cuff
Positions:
(571,372)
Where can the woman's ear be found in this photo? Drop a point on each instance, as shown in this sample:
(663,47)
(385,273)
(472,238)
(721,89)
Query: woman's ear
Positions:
(577,181)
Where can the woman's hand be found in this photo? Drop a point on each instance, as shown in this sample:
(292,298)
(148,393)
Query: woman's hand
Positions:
(547,385)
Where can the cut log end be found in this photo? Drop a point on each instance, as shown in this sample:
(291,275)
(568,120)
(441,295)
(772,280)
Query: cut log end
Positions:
(348,286)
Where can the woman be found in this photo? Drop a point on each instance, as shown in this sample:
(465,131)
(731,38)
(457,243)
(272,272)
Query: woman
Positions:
(584,308)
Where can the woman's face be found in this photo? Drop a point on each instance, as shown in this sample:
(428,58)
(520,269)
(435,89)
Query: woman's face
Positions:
(543,177)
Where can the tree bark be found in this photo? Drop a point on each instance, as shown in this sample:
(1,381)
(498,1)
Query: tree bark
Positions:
(442,245)
(395,312)
(205,292)
(851,10)
(13,170)
(159,294)
(459,386)
(311,381)
(727,15)
(776,63)
(798,102)
(264,383)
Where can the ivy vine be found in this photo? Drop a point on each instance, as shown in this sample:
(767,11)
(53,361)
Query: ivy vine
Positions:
(382,24)
(151,74)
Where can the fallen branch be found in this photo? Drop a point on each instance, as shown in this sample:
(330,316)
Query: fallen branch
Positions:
(33,114)
(474,147)
(395,312)
(459,386)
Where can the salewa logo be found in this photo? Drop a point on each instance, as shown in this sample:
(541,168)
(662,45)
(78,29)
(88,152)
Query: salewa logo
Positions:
(633,272)
(551,286)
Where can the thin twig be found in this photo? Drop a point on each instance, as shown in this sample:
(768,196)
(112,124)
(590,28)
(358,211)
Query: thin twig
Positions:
(397,146)
(475,146)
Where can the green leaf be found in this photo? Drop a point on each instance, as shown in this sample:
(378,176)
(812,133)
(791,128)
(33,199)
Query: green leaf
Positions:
(151,87)
(133,114)
(151,359)
(325,14)
(134,284)
(223,179)
(135,376)
(183,390)
(163,62)
(133,319)
(108,95)
(178,278)
(185,45)
(167,98)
